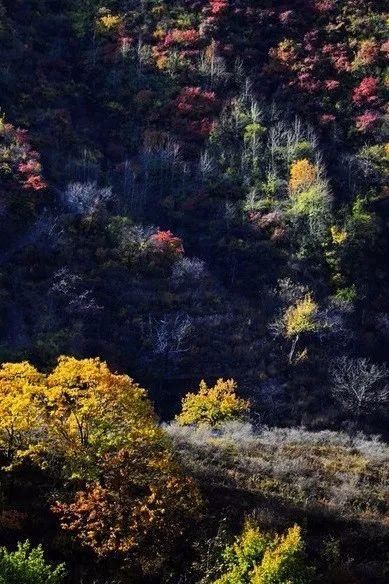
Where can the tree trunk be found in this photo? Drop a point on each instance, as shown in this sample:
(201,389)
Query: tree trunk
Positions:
(293,348)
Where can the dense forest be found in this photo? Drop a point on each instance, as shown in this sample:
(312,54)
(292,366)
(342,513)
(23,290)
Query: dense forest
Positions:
(194,292)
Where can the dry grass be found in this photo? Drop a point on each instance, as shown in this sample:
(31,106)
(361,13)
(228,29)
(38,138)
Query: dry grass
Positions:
(330,470)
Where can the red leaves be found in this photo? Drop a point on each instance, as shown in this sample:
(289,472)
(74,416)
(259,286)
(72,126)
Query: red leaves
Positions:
(331,84)
(326,119)
(185,38)
(34,182)
(366,94)
(31,169)
(218,7)
(286,16)
(23,160)
(323,57)
(323,6)
(192,112)
(366,91)
(367,120)
(194,101)
(166,243)
(338,55)
(307,83)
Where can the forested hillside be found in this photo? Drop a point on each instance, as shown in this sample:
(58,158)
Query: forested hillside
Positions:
(194,198)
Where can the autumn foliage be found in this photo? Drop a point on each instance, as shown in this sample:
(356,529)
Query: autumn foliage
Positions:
(213,405)
(99,429)
(20,172)
(165,242)
(257,558)
(191,189)
(302,175)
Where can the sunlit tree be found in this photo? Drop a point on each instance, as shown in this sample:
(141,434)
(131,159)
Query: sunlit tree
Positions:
(21,389)
(302,175)
(298,319)
(213,405)
(258,558)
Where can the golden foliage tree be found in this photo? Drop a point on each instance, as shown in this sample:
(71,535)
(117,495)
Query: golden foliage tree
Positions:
(98,430)
(302,175)
(300,318)
(90,410)
(257,558)
(213,405)
(21,387)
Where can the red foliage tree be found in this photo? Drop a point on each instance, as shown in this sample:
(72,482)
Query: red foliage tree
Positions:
(165,242)
(194,102)
(366,91)
(367,120)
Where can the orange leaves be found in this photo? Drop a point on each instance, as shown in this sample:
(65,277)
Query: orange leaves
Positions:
(185,38)
(35,183)
(165,242)
(138,513)
(100,429)
(302,175)
(367,54)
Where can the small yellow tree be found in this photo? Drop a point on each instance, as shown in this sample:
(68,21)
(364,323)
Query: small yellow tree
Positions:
(282,562)
(300,318)
(213,405)
(302,175)
(258,558)
(108,21)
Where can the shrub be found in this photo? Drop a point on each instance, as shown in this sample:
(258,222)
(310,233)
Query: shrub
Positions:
(300,318)
(257,558)
(302,174)
(27,565)
(212,405)
(311,469)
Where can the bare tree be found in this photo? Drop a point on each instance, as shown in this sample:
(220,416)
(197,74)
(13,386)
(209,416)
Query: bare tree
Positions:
(168,335)
(86,198)
(213,66)
(189,270)
(69,288)
(359,385)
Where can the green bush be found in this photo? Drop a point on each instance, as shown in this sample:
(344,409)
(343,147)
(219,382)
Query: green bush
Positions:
(27,565)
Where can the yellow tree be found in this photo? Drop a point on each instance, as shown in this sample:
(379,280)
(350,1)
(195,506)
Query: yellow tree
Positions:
(258,558)
(84,422)
(90,410)
(212,405)
(21,388)
(282,562)
(134,501)
(302,175)
(298,319)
